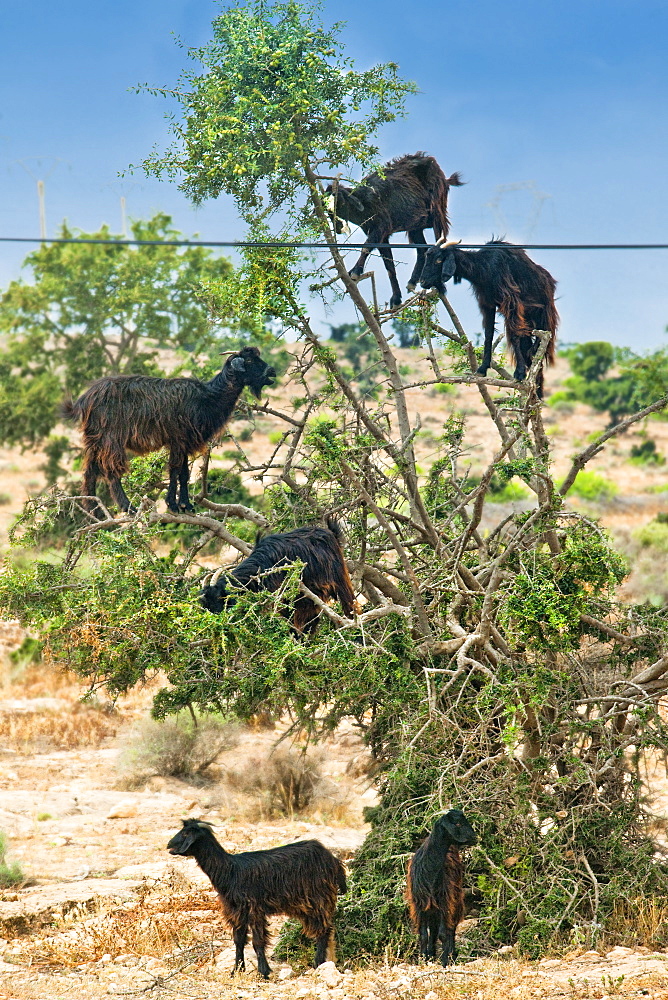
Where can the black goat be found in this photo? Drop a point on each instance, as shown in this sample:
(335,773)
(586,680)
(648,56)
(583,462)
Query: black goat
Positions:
(301,880)
(434,890)
(411,195)
(141,414)
(503,278)
(325,572)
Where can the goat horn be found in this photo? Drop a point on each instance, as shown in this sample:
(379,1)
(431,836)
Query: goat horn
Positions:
(216,577)
(451,243)
(439,240)
(207,580)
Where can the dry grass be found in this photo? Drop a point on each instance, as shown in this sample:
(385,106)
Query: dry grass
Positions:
(169,915)
(284,783)
(43,731)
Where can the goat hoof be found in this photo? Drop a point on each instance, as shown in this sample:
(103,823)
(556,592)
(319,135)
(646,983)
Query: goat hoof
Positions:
(395,301)
(410,287)
(186,508)
(482,370)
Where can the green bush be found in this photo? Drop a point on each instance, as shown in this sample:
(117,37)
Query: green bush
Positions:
(592,486)
(653,534)
(646,453)
(10,871)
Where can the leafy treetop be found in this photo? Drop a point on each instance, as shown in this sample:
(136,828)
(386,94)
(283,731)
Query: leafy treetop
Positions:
(276,93)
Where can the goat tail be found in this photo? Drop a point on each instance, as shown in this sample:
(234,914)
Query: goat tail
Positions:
(335,528)
(69,410)
(344,585)
(552,324)
(439,185)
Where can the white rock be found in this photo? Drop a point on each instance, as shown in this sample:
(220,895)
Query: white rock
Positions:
(286,972)
(125,809)
(431,995)
(505,949)
(329,974)
(619,952)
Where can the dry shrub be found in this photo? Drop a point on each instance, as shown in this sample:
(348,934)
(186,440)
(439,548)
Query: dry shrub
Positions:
(56,730)
(169,915)
(175,747)
(287,781)
(640,921)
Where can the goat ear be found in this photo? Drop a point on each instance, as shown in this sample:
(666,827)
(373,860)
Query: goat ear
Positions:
(448,267)
(238,365)
(356,203)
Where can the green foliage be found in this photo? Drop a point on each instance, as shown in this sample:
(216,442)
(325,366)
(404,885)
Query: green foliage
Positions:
(654,534)
(96,309)
(639,382)
(591,361)
(646,453)
(11,873)
(592,486)
(275,92)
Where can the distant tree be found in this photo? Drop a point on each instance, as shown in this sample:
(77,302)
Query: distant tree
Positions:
(638,381)
(93,309)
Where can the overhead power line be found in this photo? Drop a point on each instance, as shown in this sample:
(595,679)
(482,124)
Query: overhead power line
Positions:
(268,244)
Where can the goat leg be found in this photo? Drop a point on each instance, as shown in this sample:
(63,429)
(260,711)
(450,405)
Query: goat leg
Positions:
(447,936)
(259,932)
(416,236)
(175,466)
(240,936)
(184,478)
(388,260)
(488,316)
(119,495)
(321,946)
(89,488)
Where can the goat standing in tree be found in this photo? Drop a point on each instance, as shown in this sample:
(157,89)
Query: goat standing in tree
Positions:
(435,890)
(325,572)
(141,414)
(411,195)
(506,280)
(301,880)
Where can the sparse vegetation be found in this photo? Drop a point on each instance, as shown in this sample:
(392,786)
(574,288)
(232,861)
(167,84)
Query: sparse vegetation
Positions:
(179,746)
(287,782)
(11,873)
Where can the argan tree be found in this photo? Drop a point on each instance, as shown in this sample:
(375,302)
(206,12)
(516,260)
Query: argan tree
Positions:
(492,668)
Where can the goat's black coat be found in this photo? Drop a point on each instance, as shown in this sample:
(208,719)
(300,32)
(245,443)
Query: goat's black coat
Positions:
(301,880)
(434,889)
(411,195)
(325,572)
(141,414)
(503,278)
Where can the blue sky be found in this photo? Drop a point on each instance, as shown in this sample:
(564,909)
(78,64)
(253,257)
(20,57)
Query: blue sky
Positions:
(554,111)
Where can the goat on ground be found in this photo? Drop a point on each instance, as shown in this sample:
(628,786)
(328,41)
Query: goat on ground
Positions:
(435,890)
(301,880)
(506,280)
(141,414)
(411,195)
(325,572)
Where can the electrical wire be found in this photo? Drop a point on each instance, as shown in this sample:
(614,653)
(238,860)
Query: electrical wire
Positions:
(341,247)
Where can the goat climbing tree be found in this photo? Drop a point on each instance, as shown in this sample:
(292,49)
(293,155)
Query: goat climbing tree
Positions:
(491,669)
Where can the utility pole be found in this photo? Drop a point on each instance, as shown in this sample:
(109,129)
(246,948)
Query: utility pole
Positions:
(42,209)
